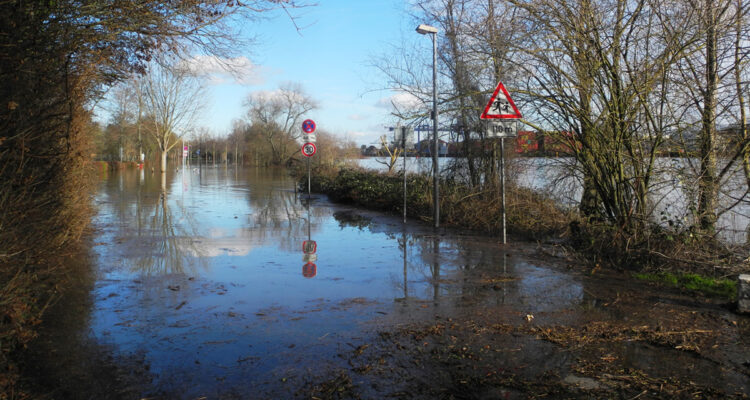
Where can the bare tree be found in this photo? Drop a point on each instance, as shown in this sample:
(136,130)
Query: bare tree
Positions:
(392,154)
(597,78)
(173,99)
(277,116)
(707,96)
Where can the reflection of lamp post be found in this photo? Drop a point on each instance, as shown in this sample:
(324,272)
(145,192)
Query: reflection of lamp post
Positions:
(423,30)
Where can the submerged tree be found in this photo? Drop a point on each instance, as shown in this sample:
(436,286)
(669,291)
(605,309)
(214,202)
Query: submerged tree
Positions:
(708,81)
(598,76)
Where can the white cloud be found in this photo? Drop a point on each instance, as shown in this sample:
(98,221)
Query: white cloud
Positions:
(401,101)
(357,117)
(219,70)
(277,95)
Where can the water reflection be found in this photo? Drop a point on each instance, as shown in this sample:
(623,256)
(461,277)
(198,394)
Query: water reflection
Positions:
(169,223)
(309,248)
(202,269)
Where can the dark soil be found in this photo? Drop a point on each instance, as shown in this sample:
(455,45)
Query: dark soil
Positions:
(632,341)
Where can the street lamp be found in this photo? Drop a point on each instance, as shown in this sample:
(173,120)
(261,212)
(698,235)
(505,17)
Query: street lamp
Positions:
(424,30)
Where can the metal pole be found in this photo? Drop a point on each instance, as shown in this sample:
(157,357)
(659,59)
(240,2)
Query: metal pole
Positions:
(435,162)
(308,179)
(403,149)
(502,181)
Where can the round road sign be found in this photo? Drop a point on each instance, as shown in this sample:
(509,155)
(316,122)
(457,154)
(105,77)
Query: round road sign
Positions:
(308,126)
(309,149)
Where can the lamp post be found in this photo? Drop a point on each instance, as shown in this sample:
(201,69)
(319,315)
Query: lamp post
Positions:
(424,30)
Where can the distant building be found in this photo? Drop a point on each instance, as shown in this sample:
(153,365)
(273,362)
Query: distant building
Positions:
(424,148)
(526,142)
(558,143)
(370,151)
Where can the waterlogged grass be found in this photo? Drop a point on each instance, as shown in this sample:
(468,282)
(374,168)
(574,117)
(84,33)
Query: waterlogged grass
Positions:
(713,287)
(528,214)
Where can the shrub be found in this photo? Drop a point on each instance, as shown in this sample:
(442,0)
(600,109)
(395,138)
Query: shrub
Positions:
(528,213)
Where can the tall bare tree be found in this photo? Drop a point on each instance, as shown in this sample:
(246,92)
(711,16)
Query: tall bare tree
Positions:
(173,99)
(277,117)
(597,75)
(708,94)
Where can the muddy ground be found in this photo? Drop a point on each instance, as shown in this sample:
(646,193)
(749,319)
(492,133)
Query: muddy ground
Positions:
(637,342)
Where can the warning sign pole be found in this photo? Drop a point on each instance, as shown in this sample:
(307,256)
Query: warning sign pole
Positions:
(308,149)
(308,180)
(501,107)
(502,183)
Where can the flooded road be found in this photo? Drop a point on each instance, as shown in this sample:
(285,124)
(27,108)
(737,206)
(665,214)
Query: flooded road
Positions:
(202,287)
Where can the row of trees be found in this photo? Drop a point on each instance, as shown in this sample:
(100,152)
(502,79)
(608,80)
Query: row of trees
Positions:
(151,114)
(615,79)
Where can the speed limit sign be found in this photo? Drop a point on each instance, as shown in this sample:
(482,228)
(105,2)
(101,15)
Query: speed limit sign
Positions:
(308,149)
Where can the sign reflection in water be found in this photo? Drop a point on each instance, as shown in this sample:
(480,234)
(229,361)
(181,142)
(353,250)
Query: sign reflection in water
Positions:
(309,248)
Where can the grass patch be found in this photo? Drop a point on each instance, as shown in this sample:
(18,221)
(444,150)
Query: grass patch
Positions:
(529,214)
(724,288)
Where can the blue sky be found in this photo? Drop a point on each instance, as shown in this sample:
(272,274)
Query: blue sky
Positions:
(330,57)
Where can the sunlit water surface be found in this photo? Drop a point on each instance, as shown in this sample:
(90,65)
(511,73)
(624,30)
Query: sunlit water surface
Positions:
(203,275)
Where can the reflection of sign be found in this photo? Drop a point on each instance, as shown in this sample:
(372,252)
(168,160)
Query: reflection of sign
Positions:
(309,270)
(308,126)
(309,247)
(308,149)
(310,258)
(501,129)
(500,106)
(309,138)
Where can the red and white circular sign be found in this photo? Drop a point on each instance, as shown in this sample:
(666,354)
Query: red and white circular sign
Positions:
(308,126)
(309,149)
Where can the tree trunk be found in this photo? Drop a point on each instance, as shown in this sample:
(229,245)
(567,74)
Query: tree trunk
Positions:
(164,160)
(589,206)
(707,184)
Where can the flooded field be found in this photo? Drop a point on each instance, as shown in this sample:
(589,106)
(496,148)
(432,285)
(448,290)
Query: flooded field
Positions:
(200,287)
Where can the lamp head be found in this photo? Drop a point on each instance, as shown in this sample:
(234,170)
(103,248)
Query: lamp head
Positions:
(425,29)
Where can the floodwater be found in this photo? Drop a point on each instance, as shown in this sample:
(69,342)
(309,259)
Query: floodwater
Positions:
(203,278)
(202,287)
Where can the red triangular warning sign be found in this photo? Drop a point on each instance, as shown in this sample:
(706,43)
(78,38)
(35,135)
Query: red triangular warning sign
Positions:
(500,106)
